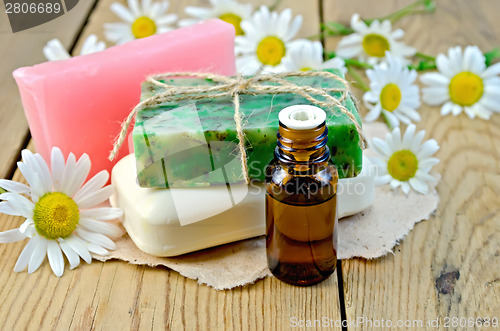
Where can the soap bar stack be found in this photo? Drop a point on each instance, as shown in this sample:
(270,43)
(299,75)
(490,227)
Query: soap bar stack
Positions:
(194,143)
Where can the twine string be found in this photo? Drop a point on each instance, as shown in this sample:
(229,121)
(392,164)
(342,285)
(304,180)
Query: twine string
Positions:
(234,86)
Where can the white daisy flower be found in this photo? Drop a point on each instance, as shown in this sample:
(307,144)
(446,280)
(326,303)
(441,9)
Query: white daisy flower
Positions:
(60,217)
(266,41)
(230,11)
(308,55)
(392,92)
(140,21)
(405,162)
(370,42)
(463,83)
(54,50)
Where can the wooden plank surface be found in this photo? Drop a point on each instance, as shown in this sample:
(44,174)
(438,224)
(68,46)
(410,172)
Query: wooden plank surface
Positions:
(448,266)
(115,295)
(24,49)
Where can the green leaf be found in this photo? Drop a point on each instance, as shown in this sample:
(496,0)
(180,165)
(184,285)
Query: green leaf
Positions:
(491,56)
(430,5)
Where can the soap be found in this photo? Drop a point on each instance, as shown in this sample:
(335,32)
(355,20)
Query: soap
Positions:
(79,104)
(163,222)
(193,144)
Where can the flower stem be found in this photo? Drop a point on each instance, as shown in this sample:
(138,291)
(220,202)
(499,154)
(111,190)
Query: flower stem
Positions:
(339,29)
(274,5)
(425,56)
(413,8)
(389,125)
(359,81)
(359,64)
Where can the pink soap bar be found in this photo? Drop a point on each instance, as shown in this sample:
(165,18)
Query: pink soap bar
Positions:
(78,104)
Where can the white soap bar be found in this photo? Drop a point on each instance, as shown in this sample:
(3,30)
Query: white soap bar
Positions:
(356,194)
(212,216)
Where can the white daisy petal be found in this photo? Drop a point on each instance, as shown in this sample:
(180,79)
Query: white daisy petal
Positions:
(122,12)
(96,249)
(382,180)
(94,198)
(56,259)
(39,253)
(57,164)
(19,203)
(94,184)
(79,247)
(491,71)
(71,255)
(374,113)
(104,228)
(96,238)
(405,187)
(428,148)
(381,147)
(435,78)
(54,51)
(419,185)
(102,214)
(11,236)
(25,225)
(14,187)
(6,208)
(25,256)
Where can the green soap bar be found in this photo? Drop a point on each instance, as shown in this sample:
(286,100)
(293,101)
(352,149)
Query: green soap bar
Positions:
(194,143)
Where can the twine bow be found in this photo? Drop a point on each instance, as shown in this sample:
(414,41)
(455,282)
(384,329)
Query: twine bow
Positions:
(234,86)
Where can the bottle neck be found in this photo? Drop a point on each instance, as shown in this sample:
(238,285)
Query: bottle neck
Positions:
(302,146)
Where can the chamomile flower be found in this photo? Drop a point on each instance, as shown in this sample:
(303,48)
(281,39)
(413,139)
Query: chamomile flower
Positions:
(307,55)
(139,21)
(60,217)
(370,42)
(266,41)
(463,84)
(392,92)
(229,11)
(54,50)
(405,163)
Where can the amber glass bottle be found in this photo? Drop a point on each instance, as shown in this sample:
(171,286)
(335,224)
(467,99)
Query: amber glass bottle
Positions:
(301,200)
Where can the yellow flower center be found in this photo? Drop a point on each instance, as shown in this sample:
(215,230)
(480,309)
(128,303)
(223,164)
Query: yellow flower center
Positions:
(56,215)
(306,69)
(390,97)
(466,88)
(235,20)
(143,27)
(271,50)
(375,45)
(402,165)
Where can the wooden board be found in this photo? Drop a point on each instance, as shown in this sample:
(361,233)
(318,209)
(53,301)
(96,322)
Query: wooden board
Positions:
(24,49)
(121,296)
(448,266)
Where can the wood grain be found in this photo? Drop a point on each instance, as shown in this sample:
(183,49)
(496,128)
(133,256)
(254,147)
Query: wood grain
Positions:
(24,49)
(448,266)
(115,295)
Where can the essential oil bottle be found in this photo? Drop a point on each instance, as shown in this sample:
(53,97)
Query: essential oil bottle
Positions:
(301,200)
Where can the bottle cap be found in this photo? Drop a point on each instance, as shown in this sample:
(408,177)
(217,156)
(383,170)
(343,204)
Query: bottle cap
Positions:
(302,117)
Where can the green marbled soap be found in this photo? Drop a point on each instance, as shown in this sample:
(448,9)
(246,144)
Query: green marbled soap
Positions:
(189,144)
